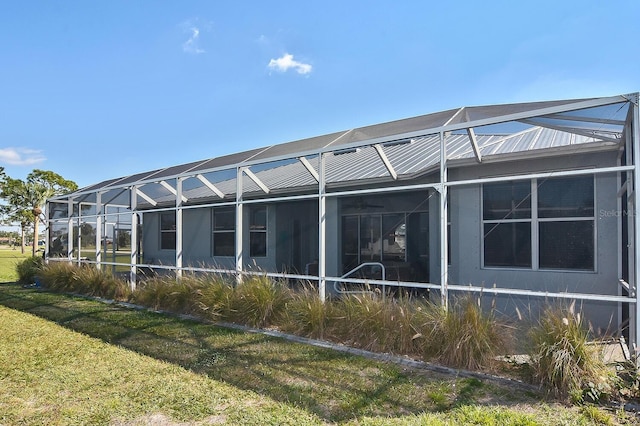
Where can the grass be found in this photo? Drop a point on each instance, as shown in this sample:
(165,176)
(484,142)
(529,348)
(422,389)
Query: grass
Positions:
(67,360)
(8,260)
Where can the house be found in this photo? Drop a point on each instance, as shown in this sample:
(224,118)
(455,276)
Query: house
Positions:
(525,203)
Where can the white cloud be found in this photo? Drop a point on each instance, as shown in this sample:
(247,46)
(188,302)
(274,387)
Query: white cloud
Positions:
(192,45)
(286,62)
(20,156)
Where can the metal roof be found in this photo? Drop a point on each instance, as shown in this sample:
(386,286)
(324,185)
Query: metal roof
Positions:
(411,146)
(413,158)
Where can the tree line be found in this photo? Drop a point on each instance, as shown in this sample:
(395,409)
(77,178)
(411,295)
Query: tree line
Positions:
(24,200)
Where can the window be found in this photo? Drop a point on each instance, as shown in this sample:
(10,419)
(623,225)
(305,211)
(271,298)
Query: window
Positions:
(567,223)
(258,231)
(506,211)
(168,231)
(540,224)
(224,232)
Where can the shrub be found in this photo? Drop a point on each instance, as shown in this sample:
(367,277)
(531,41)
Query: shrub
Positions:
(562,359)
(28,269)
(627,381)
(464,336)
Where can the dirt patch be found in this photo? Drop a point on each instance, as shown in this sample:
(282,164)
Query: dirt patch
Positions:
(160,419)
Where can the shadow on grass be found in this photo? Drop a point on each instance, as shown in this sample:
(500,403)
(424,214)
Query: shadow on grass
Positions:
(333,385)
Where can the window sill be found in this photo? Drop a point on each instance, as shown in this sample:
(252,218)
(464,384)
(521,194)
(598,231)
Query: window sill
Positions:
(513,268)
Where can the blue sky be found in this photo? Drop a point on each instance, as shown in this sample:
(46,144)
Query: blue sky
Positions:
(100,89)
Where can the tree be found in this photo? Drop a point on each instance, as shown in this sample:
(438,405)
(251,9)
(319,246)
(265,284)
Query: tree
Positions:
(25,199)
(12,215)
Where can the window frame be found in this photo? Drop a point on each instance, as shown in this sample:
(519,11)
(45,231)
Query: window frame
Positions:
(215,232)
(535,220)
(167,231)
(254,230)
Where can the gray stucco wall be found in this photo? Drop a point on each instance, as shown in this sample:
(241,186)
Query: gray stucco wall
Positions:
(466,240)
(197,242)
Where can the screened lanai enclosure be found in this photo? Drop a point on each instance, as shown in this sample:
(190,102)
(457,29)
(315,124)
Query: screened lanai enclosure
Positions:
(526,204)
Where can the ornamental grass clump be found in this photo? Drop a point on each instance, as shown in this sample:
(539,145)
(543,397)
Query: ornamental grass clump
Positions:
(87,279)
(384,324)
(58,276)
(362,321)
(214,297)
(306,315)
(562,359)
(465,336)
(170,294)
(83,279)
(259,301)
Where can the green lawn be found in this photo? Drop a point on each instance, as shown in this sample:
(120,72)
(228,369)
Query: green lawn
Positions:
(8,260)
(66,360)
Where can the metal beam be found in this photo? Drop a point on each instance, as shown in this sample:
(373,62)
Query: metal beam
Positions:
(179,227)
(474,144)
(444,242)
(322,230)
(635,128)
(209,185)
(172,190)
(133,272)
(582,118)
(99,217)
(239,227)
(386,161)
(309,167)
(146,197)
(108,202)
(255,179)
(597,134)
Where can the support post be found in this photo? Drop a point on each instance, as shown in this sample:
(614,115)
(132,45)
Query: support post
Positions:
(70,235)
(98,230)
(133,274)
(239,227)
(322,229)
(444,243)
(635,123)
(179,228)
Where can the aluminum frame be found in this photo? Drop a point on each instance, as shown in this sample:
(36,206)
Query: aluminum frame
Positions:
(134,183)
